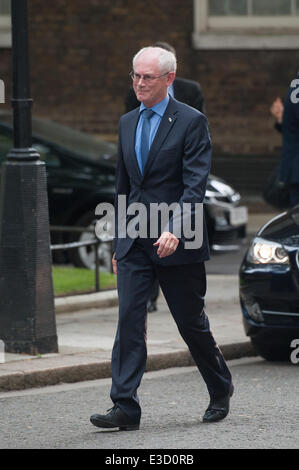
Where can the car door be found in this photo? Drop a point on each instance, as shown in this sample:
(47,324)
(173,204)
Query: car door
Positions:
(60,189)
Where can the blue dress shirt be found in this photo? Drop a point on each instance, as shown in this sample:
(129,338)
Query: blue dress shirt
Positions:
(159,110)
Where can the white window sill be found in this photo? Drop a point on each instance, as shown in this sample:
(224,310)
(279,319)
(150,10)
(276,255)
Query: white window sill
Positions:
(225,40)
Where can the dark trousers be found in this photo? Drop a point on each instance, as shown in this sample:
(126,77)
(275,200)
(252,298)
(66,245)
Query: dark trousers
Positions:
(184,288)
(155,291)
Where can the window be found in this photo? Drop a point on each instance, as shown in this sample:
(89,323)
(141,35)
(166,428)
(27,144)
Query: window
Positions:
(235,24)
(5,24)
(253,7)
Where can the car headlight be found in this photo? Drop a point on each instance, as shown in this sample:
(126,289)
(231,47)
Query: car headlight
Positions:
(264,252)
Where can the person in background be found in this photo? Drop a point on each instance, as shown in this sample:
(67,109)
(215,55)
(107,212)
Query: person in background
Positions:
(184,90)
(287,122)
(277,111)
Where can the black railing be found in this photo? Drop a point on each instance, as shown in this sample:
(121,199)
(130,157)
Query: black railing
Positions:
(75,245)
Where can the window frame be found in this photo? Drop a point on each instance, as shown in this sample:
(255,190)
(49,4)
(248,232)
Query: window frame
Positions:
(240,32)
(5,30)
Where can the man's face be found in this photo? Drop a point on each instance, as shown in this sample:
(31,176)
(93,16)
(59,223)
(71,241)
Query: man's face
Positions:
(153,91)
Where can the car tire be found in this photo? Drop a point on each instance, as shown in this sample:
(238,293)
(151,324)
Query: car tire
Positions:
(84,257)
(271,353)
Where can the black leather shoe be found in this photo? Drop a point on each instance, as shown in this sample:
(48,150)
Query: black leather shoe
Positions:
(116,418)
(151,306)
(218,408)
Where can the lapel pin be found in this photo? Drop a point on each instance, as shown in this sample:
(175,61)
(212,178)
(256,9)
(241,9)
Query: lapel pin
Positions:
(170,119)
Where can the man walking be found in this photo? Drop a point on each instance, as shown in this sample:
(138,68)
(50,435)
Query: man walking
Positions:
(184,90)
(164,156)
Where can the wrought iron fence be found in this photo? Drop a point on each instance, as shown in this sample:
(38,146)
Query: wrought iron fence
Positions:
(95,242)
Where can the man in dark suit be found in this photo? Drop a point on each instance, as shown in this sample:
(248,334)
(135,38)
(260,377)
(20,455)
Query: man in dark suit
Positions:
(184,90)
(164,156)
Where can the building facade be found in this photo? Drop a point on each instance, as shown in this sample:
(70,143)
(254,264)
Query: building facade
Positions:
(243,52)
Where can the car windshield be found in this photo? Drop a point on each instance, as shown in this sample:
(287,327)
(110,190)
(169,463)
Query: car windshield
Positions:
(283,229)
(78,143)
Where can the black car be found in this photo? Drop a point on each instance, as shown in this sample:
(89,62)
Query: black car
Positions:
(81,174)
(269,287)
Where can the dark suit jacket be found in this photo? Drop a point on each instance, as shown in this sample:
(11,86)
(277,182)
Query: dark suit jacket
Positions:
(187,91)
(289,169)
(176,170)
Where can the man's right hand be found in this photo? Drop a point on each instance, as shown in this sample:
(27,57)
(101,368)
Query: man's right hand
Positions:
(114,264)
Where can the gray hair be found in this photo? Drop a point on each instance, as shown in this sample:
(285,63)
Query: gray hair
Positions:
(167,59)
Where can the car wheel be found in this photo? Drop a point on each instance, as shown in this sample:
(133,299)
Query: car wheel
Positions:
(84,257)
(271,353)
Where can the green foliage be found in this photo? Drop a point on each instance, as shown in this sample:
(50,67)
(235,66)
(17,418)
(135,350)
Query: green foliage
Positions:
(70,280)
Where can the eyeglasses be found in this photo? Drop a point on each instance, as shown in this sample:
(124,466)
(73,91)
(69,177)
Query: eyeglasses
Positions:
(147,78)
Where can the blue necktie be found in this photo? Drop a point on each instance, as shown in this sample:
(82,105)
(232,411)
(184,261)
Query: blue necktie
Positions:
(145,136)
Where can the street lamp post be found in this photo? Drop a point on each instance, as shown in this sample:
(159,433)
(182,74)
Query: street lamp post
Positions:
(27,313)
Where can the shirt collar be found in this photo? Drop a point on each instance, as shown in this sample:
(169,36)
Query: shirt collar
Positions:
(158,108)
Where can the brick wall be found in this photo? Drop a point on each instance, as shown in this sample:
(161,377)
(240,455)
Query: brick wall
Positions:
(81,50)
(239,87)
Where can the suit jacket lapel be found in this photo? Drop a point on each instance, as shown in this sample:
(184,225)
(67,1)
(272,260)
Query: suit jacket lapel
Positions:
(166,124)
(132,153)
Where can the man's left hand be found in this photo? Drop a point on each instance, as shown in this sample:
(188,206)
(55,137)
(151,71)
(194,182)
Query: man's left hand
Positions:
(167,244)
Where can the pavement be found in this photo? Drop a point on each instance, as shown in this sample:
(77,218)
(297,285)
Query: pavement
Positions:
(86,326)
